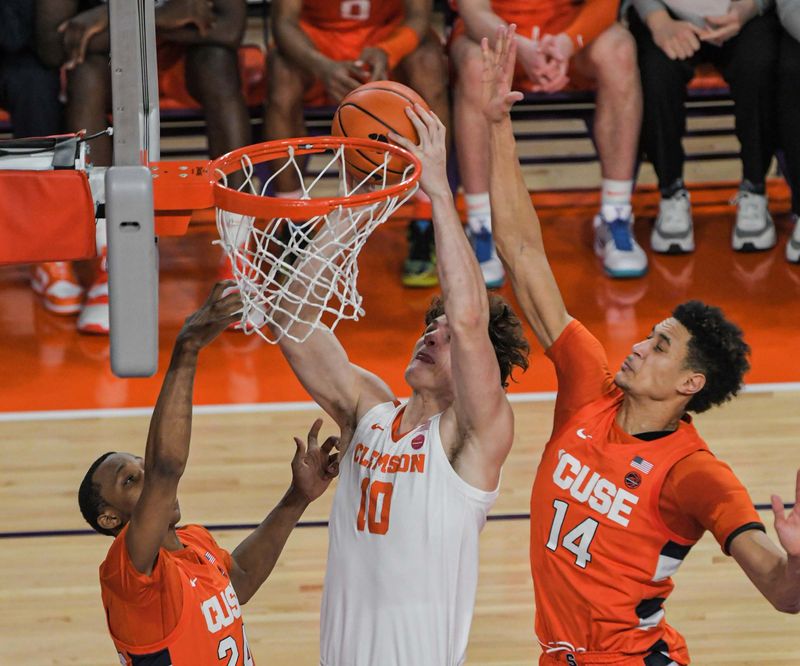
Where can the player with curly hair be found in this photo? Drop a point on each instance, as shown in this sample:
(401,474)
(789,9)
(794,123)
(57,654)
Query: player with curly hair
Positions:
(417,479)
(626,485)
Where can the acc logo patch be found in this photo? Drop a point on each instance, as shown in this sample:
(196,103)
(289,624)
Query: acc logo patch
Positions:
(418,442)
(633,480)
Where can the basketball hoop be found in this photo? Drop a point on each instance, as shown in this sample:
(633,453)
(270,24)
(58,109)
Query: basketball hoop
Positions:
(295,260)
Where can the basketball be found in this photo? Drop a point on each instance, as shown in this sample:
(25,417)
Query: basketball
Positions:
(370,112)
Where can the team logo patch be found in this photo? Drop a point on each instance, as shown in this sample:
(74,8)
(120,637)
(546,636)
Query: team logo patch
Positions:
(418,442)
(633,480)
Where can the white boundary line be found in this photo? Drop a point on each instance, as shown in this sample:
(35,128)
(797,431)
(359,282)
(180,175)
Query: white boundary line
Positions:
(278,407)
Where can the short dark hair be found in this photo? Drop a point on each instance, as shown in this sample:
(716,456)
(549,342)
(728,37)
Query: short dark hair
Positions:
(505,332)
(717,349)
(90,500)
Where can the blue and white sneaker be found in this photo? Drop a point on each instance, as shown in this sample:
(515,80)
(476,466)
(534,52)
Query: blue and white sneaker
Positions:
(491,267)
(615,244)
(793,244)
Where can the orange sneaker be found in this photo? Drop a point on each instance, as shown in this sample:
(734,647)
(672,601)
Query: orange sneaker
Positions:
(57,285)
(94,317)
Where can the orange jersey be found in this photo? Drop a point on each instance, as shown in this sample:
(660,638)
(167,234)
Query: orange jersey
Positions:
(344,16)
(185,613)
(603,552)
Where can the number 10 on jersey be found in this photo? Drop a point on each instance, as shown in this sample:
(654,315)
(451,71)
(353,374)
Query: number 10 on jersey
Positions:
(374,497)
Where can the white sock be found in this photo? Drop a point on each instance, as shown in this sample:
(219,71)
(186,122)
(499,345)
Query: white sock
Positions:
(479,211)
(615,202)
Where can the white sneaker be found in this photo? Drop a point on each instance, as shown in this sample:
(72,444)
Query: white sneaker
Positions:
(95,318)
(491,267)
(754,228)
(672,232)
(615,244)
(793,244)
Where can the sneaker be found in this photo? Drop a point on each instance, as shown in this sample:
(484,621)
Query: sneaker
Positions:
(57,285)
(94,318)
(672,232)
(614,243)
(754,229)
(793,244)
(419,268)
(491,267)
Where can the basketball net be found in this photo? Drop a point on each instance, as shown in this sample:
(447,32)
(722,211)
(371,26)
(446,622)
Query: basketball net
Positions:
(298,275)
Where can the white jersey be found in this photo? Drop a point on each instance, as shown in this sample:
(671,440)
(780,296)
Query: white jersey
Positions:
(403,550)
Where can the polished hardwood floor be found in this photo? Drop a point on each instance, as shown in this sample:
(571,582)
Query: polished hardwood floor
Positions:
(50,611)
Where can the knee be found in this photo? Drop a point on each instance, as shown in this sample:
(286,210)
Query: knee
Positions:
(285,85)
(212,74)
(613,55)
(425,68)
(468,64)
(89,83)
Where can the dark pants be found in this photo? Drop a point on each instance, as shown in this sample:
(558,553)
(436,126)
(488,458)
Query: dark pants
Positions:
(789,112)
(29,92)
(748,62)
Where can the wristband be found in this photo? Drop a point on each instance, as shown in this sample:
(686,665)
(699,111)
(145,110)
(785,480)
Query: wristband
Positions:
(398,45)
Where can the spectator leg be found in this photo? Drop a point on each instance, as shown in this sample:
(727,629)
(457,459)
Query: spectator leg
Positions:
(611,61)
(471,133)
(283,116)
(748,62)
(424,70)
(88,102)
(212,78)
(789,112)
(664,113)
(31,95)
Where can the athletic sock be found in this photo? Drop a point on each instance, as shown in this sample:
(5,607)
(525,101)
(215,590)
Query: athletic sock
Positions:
(615,202)
(479,212)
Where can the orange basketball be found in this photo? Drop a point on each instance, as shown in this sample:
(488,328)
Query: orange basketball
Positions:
(369,112)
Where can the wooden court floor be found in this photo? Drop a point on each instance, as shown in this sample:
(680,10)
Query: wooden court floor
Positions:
(239,467)
(50,611)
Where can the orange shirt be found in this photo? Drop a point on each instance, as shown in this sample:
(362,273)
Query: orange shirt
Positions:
(346,15)
(613,516)
(186,612)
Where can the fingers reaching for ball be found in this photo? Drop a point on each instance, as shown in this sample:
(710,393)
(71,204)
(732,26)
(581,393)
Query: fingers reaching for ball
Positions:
(431,150)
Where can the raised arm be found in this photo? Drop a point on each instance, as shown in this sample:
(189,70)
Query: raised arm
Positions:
(517,232)
(483,417)
(774,571)
(170,429)
(313,468)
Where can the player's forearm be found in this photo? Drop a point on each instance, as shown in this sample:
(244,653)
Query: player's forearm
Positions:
(518,238)
(516,225)
(257,554)
(784,589)
(482,22)
(460,277)
(171,424)
(294,44)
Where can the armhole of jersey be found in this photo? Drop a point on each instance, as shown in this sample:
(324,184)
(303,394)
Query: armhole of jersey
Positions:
(171,636)
(655,497)
(484,497)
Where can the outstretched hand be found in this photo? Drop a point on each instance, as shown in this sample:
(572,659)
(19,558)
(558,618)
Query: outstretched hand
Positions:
(498,73)
(314,466)
(222,308)
(788,527)
(431,151)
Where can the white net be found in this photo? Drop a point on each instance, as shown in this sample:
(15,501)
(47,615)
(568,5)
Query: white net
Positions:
(298,275)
